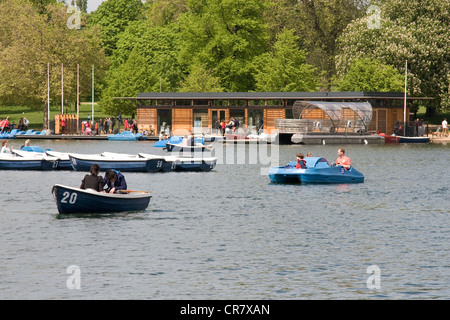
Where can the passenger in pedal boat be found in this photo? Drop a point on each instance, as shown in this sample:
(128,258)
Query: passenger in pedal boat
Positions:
(93,180)
(343,160)
(114,181)
(301,163)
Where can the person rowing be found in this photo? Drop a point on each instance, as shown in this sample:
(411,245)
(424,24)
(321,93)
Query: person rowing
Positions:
(114,181)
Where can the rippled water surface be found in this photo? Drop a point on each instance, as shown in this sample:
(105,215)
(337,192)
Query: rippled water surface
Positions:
(231,234)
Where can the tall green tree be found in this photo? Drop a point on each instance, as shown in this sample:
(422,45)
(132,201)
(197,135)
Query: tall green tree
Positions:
(48,40)
(367,74)
(317,23)
(145,61)
(225,36)
(113,16)
(412,30)
(200,79)
(285,68)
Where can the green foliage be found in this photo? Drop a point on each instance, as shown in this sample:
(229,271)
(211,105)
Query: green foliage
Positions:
(367,74)
(24,59)
(113,16)
(412,30)
(284,69)
(200,80)
(145,61)
(225,36)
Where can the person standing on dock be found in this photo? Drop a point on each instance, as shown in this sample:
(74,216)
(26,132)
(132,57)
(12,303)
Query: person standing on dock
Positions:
(343,160)
(444,127)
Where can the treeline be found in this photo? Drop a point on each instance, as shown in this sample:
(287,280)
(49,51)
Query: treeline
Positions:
(224,45)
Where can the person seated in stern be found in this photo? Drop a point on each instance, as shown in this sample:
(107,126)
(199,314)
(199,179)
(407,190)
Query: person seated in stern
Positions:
(114,181)
(343,160)
(94,180)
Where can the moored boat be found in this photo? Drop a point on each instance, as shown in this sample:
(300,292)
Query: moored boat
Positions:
(170,147)
(74,200)
(127,136)
(195,164)
(318,172)
(83,162)
(15,162)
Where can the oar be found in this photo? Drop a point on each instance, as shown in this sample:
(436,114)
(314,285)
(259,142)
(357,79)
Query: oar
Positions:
(129,191)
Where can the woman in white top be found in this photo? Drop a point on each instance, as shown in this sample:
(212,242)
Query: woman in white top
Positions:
(5,148)
(444,127)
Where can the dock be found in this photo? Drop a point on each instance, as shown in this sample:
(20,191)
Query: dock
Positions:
(70,137)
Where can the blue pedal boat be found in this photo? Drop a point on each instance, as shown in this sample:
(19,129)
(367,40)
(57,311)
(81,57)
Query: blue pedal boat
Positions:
(127,136)
(318,172)
(74,200)
(83,162)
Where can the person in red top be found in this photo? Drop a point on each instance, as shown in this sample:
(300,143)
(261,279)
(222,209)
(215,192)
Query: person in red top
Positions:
(343,160)
(301,163)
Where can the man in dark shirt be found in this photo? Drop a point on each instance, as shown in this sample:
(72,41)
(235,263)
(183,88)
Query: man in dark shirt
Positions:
(114,181)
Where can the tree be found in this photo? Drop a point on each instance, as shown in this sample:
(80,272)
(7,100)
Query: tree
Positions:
(412,30)
(145,61)
(370,75)
(224,36)
(48,40)
(113,16)
(285,69)
(200,79)
(317,23)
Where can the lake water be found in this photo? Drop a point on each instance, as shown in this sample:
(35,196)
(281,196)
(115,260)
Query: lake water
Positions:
(231,234)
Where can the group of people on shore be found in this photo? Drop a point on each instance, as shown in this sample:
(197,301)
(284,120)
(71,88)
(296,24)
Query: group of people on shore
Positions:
(223,127)
(113,182)
(6,126)
(342,160)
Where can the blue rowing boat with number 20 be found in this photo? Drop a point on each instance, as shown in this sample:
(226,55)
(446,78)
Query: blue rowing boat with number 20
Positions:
(74,200)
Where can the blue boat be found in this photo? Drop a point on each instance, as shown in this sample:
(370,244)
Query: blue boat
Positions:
(127,136)
(14,162)
(169,163)
(318,172)
(170,147)
(195,164)
(162,143)
(83,162)
(73,200)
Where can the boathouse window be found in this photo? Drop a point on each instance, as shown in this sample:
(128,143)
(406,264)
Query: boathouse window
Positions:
(200,118)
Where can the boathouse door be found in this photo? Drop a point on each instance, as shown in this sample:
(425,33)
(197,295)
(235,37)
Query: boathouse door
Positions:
(217,114)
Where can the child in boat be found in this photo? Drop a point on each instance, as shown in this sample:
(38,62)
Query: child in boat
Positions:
(343,160)
(94,180)
(301,163)
(114,181)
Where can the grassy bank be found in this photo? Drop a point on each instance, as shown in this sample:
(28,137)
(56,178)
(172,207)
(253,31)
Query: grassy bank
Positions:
(36,117)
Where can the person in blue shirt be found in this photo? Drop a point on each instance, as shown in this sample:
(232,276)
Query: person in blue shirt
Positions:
(114,181)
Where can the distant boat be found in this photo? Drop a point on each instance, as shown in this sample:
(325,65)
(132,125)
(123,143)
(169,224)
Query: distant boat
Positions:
(188,149)
(74,200)
(318,172)
(83,162)
(195,164)
(127,136)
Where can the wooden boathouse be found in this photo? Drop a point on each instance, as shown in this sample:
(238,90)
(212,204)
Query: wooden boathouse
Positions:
(170,111)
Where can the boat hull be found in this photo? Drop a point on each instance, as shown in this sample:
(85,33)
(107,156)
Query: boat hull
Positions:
(80,163)
(319,175)
(196,164)
(72,200)
(21,163)
(186,149)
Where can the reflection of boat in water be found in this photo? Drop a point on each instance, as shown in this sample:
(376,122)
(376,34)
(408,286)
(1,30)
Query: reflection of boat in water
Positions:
(318,172)
(74,200)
